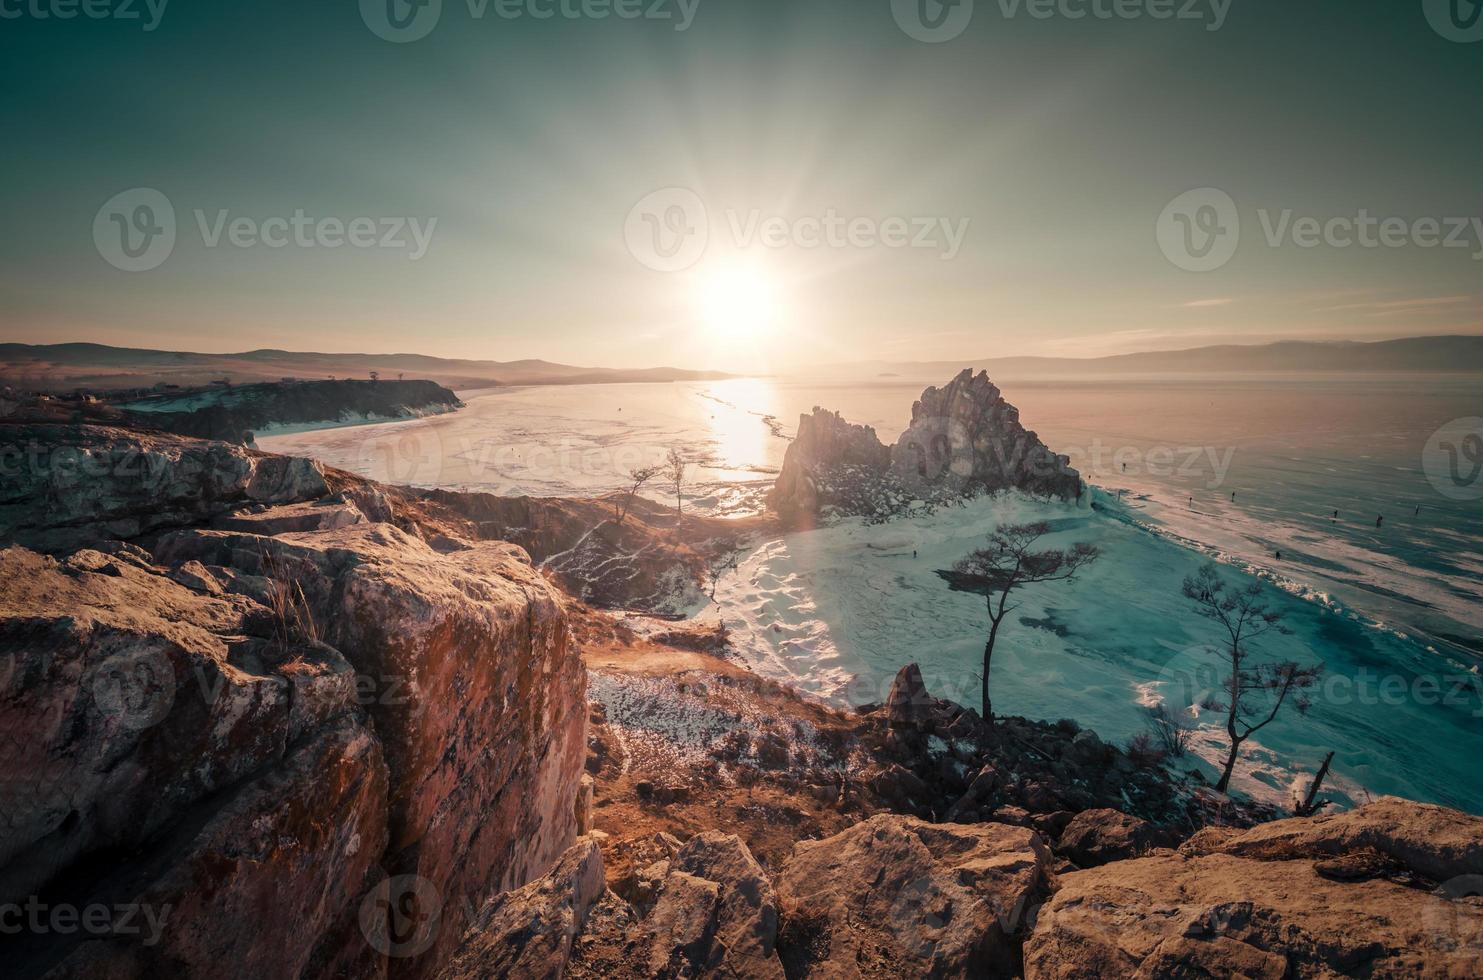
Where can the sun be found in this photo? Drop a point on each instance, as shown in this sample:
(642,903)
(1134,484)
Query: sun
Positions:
(737,299)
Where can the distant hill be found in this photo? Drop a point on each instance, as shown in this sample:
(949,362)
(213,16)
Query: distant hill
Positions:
(67,366)
(1416,354)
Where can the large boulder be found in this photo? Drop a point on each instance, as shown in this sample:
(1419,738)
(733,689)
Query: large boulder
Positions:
(1095,837)
(1433,841)
(73,486)
(896,896)
(527,934)
(743,933)
(966,437)
(1365,893)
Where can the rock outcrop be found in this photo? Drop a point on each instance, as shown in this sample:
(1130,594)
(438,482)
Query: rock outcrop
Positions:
(830,463)
(1373,892)
(896,896)
(315,748)
(527,933)
(229,413)
(964,439)
(73,486)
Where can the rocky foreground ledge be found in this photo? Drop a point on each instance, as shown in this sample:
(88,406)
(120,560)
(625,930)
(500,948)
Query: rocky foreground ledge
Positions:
(282,721)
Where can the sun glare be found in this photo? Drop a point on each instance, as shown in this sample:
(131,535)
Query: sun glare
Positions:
(737,300)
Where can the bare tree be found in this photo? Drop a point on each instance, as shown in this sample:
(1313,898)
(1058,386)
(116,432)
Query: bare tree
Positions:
(1255,691)
(674,471)
(1011,561)
(718,563)
(637,478)
(1168,730)
(1311,803)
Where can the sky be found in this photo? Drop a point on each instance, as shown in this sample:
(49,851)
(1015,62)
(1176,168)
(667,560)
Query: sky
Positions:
(738,184)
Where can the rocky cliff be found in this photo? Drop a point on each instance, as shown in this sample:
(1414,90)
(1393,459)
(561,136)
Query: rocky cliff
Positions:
(307,740)
(964,439)
(229,413)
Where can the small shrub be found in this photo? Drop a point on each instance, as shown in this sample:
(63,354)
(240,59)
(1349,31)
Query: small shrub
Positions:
(1145,751)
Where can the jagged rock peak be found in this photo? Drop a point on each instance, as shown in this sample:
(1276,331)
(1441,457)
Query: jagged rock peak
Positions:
(965,437)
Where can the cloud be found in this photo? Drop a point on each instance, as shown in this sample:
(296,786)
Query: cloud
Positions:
(1202,303)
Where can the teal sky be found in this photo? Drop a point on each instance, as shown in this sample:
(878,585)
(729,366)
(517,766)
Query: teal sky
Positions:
(1058,141)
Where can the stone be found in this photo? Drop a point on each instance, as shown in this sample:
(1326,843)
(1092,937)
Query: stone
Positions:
(896,896)
(746,912)
(682,925)
(1433,841)
(585,788)
(1095,837)
(527,934)
(1335,896)
(79,485)
(317,515)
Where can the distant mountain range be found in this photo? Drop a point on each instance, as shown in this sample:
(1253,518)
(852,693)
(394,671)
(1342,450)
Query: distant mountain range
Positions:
(1457,355)
(67,366)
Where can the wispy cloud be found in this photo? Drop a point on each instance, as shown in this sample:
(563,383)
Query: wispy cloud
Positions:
(1399,304)
(1203,303)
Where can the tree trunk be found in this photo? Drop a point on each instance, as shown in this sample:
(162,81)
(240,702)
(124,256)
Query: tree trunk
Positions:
(1225,777)
(1311,805)
(988,661)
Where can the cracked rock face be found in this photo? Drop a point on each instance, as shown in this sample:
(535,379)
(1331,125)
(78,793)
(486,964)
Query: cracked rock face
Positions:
(266,733)
(1286,899)
(73,486)
(897,896)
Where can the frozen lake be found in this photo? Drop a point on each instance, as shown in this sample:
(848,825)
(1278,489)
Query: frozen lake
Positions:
(1395,611)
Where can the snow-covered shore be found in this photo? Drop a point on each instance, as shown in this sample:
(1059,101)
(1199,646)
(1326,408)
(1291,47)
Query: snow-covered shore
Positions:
(838,610)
